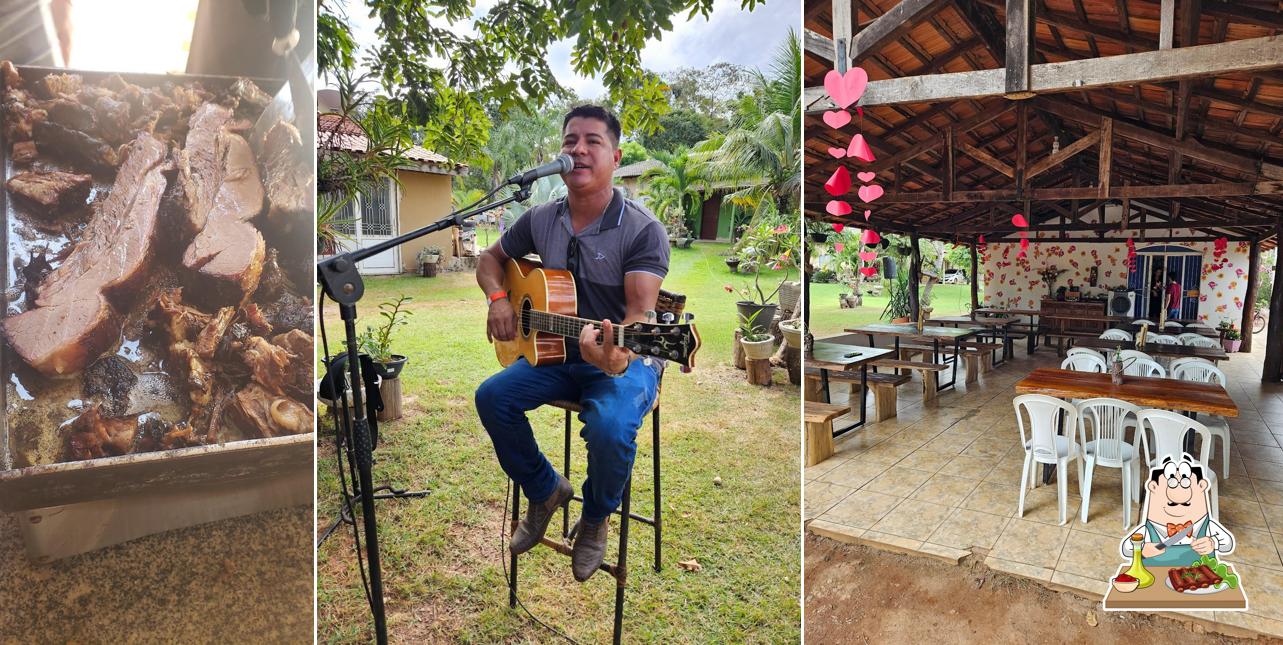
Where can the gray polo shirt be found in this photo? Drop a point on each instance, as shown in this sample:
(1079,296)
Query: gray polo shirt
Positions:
(626,238)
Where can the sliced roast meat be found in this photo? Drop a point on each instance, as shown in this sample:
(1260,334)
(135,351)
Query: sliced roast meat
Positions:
(117,246)
(24,152)
(72,114)
(288,177)
(255,409)
(75,146)
(51,190)
(200,168)
(63,338)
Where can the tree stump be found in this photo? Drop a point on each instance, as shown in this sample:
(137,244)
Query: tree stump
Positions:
(390,390)
(793,363)
(738,358)
(759,371)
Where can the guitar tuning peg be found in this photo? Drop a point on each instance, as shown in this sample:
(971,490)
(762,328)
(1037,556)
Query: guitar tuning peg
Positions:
(668,317)
(650,315)
(688,317)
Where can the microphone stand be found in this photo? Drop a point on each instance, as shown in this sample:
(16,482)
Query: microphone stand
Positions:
(341,282)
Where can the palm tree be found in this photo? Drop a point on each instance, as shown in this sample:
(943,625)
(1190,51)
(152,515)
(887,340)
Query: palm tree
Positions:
(673,188)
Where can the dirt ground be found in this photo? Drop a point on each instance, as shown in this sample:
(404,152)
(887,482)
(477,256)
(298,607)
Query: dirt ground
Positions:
(857,594)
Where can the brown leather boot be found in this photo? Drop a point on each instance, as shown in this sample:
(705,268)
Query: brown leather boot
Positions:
(531,529)
(589,549)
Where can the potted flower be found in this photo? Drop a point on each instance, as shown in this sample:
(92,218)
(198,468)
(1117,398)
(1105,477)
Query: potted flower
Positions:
(897,309)
(376,342)
(428,259)
(1232,339)
(765,247)
(757,343)
(1049,276)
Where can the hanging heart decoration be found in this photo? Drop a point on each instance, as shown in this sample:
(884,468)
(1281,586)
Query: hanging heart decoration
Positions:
(868,271)
(839,183)
(868,193)
(838,226)
(847,88)
(836,118)
(859,149)
(870,237)
(838,208)
(839,247)
(1024,243)
(837,153)
(868,256)
(866,177)
(1019,221)
(867,214)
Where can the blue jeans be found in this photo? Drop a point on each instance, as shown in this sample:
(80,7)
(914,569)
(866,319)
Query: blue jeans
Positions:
(1173,313)
(613,409)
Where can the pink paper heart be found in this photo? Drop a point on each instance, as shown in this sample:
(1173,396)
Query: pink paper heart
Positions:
(868,271)
(867,214)
(870,237)
(866,177)
(869,193)
(868,256)
(839,183)
(982,239)
(846,89)
(1019,220)
(859,149)
(838,226)
(1024,243)
(836,118)
(839,247)
(837,153)
(838,208)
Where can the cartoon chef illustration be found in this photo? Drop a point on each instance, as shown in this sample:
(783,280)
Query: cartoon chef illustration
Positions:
(1177,529)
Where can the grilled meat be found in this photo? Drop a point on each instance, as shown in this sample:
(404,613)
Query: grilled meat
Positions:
(51,190)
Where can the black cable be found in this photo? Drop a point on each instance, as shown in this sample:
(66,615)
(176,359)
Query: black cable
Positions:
(338,454)
(503,517)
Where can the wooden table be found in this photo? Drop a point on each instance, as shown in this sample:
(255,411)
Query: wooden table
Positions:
(829,354)
(931,335)
(1146,392)
(1157,597)
(1158,349)
(997,327)
(1199,329)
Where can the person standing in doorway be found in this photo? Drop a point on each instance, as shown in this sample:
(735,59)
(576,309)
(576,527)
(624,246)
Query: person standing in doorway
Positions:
(1173,296)
(1157,295)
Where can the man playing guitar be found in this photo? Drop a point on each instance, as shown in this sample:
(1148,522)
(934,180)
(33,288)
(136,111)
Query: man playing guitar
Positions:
(617,252)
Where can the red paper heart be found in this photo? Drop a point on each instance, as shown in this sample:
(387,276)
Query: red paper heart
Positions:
(870,237)
(1021,255)
(866,177)
(869,193)
(838,226)
(859,149)
(846,89)
(839,183)
(838,208)
(837,153)
(838,247)
(868,256)
(982,239)
(868,271)
(1019,220)
(1024,244)
(836,118)
(867,214)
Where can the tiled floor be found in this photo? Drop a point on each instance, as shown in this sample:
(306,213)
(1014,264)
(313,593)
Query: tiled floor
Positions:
(944,478)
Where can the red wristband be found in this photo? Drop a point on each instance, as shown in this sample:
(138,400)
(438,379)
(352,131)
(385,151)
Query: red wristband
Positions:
(497,295)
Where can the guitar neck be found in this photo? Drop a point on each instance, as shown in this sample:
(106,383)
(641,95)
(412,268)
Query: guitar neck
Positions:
(567,326)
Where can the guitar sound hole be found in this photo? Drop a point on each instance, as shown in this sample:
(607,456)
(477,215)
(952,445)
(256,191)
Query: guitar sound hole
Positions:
(525,317)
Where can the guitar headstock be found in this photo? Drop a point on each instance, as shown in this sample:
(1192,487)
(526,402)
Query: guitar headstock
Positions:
(675,342)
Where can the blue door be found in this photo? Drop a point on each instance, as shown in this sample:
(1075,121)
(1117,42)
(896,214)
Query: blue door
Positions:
(1191,277)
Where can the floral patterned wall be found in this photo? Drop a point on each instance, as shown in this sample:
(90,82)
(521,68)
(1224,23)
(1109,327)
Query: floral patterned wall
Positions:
(1015,282)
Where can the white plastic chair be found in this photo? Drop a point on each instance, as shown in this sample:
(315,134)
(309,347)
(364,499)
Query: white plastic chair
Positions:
(1084,363)
(1163,339)
(1204,371)
(1162,434)
(1143,367)
(1173,324)
(1116,334)
(1186,336)
(1043,446)
(1110,419)
(1074,351)
(1142,321)
(1198,340)
(1128,354)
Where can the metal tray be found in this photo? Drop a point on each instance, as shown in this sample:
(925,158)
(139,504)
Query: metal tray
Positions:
(25,485)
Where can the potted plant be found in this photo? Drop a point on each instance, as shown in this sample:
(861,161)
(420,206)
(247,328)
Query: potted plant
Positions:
(792,331)
(1232,339)
(377,341)
(733,264)
(897,309)
(428,258)
(757,343)
(763,247)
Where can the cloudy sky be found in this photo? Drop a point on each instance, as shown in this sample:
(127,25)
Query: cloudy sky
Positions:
(729,35)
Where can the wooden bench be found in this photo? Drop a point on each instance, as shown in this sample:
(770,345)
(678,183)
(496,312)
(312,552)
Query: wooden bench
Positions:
(928,371)
(974,354)
(881,384)
(819,430)
(1063,336)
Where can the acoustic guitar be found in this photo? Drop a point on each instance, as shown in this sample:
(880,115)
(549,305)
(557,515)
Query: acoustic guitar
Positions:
(545,304)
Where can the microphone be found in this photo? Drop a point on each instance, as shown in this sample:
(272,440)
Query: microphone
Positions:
(562,164)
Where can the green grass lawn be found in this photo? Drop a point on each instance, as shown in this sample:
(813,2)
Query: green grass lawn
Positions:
(828,318)
(441,556)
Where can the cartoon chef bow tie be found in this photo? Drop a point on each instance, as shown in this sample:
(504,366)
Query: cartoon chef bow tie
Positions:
(1173,529)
